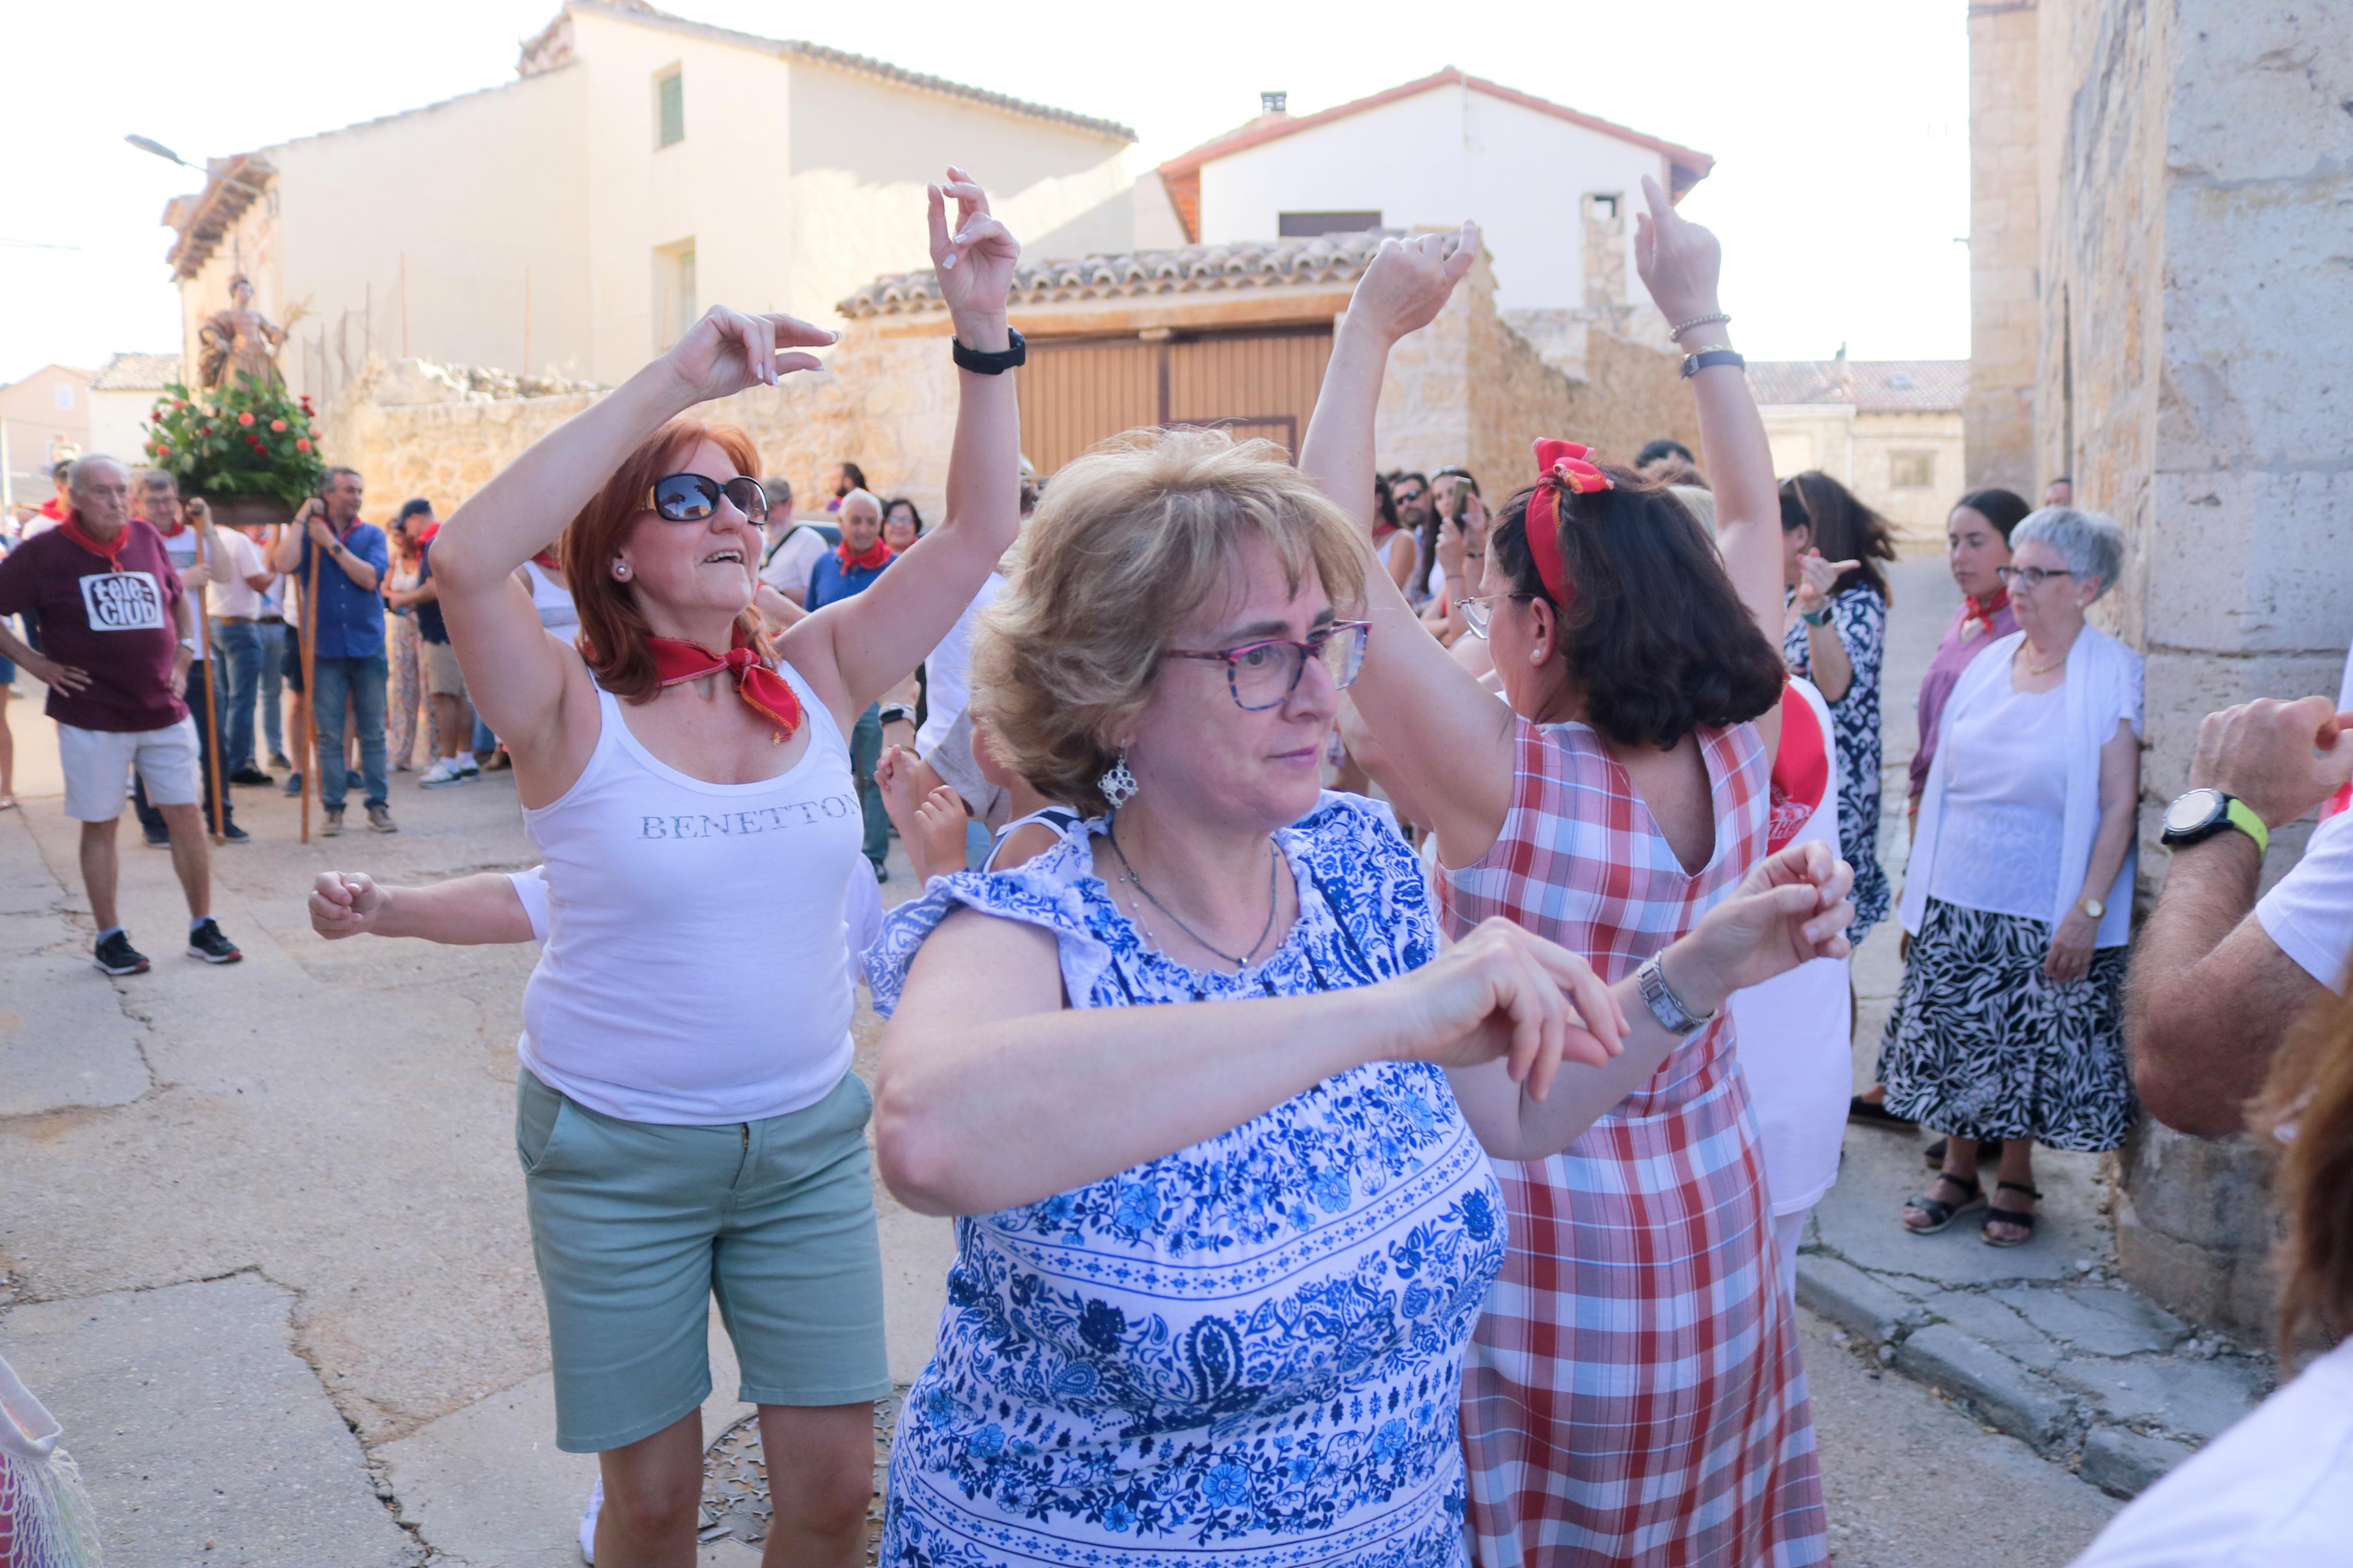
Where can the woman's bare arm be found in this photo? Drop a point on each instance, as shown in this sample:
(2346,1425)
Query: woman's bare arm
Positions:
(868,644)
(1444,739)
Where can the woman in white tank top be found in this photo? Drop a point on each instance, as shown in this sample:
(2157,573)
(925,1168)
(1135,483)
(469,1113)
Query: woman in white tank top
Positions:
(687,1118)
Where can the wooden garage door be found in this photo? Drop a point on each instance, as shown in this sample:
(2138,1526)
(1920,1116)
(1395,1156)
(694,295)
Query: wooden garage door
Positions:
(1075,393)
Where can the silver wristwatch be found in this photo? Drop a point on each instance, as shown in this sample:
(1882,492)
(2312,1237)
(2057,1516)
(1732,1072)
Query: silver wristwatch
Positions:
(1664,1005)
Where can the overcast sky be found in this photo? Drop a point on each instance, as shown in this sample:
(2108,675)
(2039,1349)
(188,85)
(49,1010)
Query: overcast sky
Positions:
(1840,127)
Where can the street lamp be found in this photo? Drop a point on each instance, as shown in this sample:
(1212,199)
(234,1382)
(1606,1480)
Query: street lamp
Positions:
(148,144)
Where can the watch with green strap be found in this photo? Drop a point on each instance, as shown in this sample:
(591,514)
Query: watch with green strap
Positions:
(2203,812)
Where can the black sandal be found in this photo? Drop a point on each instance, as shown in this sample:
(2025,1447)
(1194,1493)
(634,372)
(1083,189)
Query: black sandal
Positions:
(1872,1113)
(1940,1213)
(2023,1219)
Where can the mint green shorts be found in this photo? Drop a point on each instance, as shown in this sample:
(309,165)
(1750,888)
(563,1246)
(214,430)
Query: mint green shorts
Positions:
(636,1226)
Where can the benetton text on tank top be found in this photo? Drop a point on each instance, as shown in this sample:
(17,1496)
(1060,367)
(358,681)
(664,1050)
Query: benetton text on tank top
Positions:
(743,824)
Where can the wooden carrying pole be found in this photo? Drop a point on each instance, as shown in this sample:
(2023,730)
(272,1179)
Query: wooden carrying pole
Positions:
(311,694)
(206,549)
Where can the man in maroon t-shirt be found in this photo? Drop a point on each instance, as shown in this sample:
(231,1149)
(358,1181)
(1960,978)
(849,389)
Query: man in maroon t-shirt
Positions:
(117,638)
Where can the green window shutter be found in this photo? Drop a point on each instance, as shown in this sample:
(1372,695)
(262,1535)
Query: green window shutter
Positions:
(673,108)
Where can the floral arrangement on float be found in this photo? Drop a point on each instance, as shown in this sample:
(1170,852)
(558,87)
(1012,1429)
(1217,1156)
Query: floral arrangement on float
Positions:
(250,451)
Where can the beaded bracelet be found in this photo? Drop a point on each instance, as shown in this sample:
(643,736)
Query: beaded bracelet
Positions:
(1680,328)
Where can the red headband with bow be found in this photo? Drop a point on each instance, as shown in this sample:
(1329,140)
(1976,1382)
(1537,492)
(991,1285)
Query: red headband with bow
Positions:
(1561,465)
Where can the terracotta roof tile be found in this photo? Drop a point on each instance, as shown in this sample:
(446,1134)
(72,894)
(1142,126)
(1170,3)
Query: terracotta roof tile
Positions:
(138,373)
(1870,386)
(1187,270)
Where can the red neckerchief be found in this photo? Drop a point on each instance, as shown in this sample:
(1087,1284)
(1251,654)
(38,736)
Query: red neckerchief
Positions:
(1801,770)
(1382,532)
(1980,612)
(548,561)
(1561,465)
(179,526)
(876,554)
(111,554)
(677,660)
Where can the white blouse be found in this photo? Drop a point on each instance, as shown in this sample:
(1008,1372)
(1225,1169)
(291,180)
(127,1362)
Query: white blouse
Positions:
(2005,802)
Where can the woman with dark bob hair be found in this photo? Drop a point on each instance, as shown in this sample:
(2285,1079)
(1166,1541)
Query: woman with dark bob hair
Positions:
(1609,804)
(686,1117)
(1216,1264)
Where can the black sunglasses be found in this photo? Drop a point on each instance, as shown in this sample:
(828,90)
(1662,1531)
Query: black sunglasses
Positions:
(693,497)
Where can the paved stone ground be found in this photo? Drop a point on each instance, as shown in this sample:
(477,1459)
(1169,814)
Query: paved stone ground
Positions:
(262,1246)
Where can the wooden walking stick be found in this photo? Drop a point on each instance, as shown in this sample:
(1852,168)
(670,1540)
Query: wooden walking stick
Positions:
(310,634)
(205,547)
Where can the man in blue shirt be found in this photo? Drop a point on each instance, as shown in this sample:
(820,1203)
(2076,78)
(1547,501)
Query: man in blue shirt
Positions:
(348,665)
(846,570)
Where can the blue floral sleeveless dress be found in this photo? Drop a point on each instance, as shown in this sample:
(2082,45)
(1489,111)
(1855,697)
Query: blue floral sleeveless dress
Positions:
(1249,1352)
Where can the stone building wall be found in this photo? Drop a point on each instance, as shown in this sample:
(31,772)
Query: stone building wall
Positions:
(2195,163)
(2005,320)
(1472,388)
(890,402)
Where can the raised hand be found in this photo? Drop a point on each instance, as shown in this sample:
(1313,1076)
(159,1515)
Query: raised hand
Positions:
(1503,992)
(344,903)
(1816,578)
(1791,909)
(728,351)
(1679,260)
(1409,281)
(972,259)
(2281,758)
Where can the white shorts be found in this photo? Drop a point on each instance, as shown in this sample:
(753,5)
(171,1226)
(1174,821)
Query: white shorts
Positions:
(98,761)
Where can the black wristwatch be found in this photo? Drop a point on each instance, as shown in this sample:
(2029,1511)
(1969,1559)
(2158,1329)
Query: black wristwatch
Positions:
(1709,358)
(1015,352)
(2203,813)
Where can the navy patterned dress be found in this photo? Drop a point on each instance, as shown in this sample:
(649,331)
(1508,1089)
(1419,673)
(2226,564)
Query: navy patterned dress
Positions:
(1860,617)
(1249,1352)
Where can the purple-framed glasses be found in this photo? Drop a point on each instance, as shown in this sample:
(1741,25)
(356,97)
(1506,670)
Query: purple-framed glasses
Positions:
(1264,674)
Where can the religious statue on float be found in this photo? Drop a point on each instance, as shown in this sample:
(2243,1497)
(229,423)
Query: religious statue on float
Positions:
(239,341)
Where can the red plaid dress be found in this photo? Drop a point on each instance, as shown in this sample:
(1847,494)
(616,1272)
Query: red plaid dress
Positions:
(1634,1394)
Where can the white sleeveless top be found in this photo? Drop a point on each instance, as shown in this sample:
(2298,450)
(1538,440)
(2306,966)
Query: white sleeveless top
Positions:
(552,599)
(695,970)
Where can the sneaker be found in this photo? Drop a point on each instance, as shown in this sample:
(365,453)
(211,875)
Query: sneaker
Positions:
(588,1522)
(233,834)
(380,818)
(115,955)
(469,769)
(443,773)
(334,827)
(157,838)
(294,782)
(249,774)
(206,943)
(281,760)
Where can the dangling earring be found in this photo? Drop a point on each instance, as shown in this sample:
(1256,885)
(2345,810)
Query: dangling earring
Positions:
(620,569)
(1118,783)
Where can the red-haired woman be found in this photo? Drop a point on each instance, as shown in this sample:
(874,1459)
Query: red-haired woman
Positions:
(1633,1394)
(687,1118)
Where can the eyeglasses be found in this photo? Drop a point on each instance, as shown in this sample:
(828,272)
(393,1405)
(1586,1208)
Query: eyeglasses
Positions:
(693,497)
(2032,576)
(1264,674)
(1480,613)
(1403,493)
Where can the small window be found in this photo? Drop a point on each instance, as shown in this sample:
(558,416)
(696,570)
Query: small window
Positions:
(1912,470)
(63,395)
(1903,381)
(1306,225)
(670,97)
(675,307)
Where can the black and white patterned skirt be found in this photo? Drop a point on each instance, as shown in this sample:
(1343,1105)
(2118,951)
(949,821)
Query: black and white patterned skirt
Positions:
(1982,1044)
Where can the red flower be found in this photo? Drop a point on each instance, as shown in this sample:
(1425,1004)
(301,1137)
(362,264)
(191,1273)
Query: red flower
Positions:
(245,419)
(301,445)
(163,451)
(183,403)
(279,426)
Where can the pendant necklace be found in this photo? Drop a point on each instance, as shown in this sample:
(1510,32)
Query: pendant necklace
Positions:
(2032,668)
(1240,964)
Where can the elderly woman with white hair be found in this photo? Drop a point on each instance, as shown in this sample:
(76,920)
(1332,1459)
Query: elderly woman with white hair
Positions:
(2009,1025)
